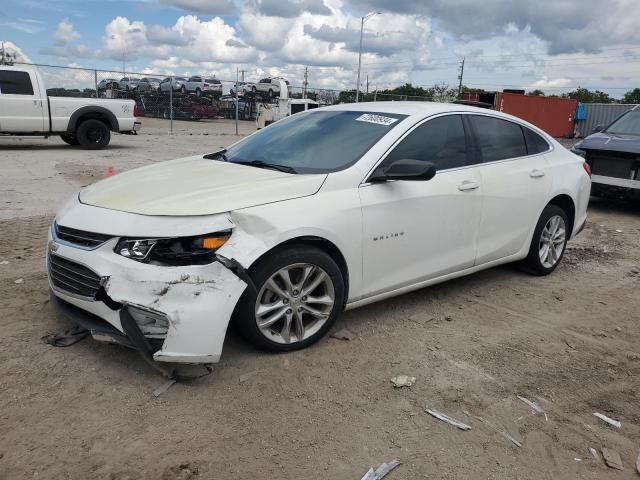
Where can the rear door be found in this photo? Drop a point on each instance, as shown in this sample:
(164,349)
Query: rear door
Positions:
(21,108)
(417,230)
(516,182)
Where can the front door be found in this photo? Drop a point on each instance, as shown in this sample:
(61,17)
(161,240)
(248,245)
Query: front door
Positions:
(418,230)
(21,109)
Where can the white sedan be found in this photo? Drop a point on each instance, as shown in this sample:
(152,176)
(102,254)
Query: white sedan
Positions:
(320,212)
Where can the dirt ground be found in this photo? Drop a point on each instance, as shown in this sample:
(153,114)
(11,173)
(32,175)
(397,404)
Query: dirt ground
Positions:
(569,342)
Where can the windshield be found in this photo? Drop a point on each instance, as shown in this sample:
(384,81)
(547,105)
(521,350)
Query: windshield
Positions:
(315,142)
(628,124)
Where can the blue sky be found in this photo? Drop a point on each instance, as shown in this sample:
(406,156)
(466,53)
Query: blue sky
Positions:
(554,45)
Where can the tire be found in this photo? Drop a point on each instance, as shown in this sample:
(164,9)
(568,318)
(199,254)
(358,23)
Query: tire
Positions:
(299,259)
(270,93)
(92,134)
(254,90)
(69,139)
(536,262)
(198,92)
(183,90)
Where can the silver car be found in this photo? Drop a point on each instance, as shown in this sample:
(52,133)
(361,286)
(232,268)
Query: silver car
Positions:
(127,83)
(148,84)
(175,82)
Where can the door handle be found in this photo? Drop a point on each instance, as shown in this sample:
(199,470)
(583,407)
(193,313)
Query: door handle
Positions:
(468,185)
(535,173)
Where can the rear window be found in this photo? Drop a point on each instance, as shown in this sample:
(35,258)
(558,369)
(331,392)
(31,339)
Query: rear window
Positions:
(498,139)
(213,81)
(535,143)
(15,83)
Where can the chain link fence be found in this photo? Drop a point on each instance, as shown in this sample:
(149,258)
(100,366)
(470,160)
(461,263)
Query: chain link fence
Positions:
(175,97)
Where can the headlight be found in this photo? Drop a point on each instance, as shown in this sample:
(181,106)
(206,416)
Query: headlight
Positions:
(579,151)
(198,250)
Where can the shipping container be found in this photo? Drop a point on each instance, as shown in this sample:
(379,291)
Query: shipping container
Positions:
(599,114)
(553,115)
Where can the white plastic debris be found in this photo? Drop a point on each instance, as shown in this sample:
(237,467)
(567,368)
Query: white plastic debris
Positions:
(534,406)
(163,388)
(594,452)
(382,471)
(610,421)
(4,262)
(343,334)
(403,381)
(446,418)
(619,231)
(577,459)
(638,463)
(18,281)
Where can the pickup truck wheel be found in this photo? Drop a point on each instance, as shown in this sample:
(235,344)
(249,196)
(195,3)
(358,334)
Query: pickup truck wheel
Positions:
(93,134)
(198,92)
(70,139)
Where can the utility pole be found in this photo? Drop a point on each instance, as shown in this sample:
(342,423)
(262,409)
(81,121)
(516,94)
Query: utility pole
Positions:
(362,20)
(460,78)
(306,82)
(242,72)
(365,97)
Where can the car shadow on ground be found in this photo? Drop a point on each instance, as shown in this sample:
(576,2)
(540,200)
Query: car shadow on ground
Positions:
(609,205)
(57,147)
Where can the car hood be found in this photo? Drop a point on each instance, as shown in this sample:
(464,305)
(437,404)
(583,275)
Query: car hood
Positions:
(606,141)
(197,186)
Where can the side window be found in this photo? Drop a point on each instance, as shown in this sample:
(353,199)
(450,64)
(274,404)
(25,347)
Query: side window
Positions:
(441,141)
(15,83)
(498,139)
(535,143)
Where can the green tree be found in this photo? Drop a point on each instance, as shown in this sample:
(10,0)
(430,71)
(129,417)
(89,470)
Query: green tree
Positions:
(585,95)
(632,96)
(536,93)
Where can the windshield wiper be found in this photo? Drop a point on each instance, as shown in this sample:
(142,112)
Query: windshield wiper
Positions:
(272,166)
(219,155)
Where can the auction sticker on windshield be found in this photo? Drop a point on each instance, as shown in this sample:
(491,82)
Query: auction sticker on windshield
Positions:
(377,119)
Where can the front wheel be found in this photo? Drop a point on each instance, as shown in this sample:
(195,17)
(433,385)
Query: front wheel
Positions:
(93,134)
(300,292)
(549,241)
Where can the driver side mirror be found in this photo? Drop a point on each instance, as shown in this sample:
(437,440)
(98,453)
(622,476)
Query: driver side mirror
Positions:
(598,128)
(404,169)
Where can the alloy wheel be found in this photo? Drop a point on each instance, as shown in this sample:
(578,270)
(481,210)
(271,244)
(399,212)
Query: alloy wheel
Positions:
(294,303)
(552,241)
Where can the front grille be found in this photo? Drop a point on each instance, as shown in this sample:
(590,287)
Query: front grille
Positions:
(72,277)
(80,237)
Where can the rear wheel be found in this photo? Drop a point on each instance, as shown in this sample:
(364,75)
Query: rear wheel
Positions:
(70,139)
(93,134)
(183,89)
(198,92)
(549,241)
(300,294)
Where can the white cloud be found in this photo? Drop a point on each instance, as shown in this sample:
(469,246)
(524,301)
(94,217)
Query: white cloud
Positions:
(551,83)
(66,32)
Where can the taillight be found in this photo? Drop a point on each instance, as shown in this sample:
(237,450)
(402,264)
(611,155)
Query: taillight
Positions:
(587,168)
(136,110)
(206,85)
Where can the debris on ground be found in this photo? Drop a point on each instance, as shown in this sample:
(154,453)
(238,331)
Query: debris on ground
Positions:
(638,463)
(608,420)
(446,418)
(343,334)
(382,471)
(534,406)
(577,459)
(18,281)
(594,452)
(503,433)
(619,231)
(246,376)
(66,338)
(163,388)
(612,459)
(184,471)
(403,381)
(4,262)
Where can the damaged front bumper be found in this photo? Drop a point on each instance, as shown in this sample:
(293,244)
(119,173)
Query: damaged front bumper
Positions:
(169,314)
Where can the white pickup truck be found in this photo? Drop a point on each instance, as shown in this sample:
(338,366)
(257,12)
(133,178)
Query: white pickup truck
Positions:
(27,110)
